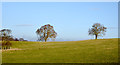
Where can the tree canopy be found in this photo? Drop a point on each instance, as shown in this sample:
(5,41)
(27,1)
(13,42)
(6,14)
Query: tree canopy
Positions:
(45,32)
(5,34)
(97,30)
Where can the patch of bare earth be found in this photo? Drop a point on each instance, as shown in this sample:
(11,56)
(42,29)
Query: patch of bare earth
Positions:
(109,48)
(13,49)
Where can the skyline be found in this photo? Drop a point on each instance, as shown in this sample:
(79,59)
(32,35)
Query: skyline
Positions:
(25,18)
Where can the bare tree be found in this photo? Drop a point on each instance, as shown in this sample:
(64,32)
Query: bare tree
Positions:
(97,30)
(6,36)
(16,39)
(21,39)
(45,32)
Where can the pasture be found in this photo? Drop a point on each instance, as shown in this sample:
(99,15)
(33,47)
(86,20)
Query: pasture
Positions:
(86,51)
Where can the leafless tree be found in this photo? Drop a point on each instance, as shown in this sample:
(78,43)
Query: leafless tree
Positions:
(45,32)
(97,30)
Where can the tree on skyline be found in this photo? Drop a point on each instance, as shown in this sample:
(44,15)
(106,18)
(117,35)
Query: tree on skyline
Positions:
(97,30)
(16,39)
(45,32)
(5,35)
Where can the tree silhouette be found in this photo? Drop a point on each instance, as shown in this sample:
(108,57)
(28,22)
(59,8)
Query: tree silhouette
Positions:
(21,39)
(5,35)
(97,30)
(16,39)
(45,32)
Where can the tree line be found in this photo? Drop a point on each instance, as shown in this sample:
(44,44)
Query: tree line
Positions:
(6,37)
(46,32)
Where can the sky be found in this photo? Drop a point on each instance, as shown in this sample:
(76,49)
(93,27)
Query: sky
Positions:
(71,20)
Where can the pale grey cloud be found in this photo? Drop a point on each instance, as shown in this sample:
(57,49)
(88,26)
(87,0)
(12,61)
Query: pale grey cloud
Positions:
(24,25)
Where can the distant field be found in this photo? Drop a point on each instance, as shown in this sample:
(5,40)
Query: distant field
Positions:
(87,51)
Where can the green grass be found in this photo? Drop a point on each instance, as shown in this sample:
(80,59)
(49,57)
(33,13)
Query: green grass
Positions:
(87,51)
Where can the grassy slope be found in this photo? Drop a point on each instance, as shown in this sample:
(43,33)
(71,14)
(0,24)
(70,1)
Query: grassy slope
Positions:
(88,51)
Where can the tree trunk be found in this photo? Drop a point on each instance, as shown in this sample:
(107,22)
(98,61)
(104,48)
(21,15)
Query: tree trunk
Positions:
(45,40)
(46,37)
(96,36)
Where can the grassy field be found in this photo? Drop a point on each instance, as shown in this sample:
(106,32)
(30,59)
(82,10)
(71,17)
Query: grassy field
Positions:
(87,51)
